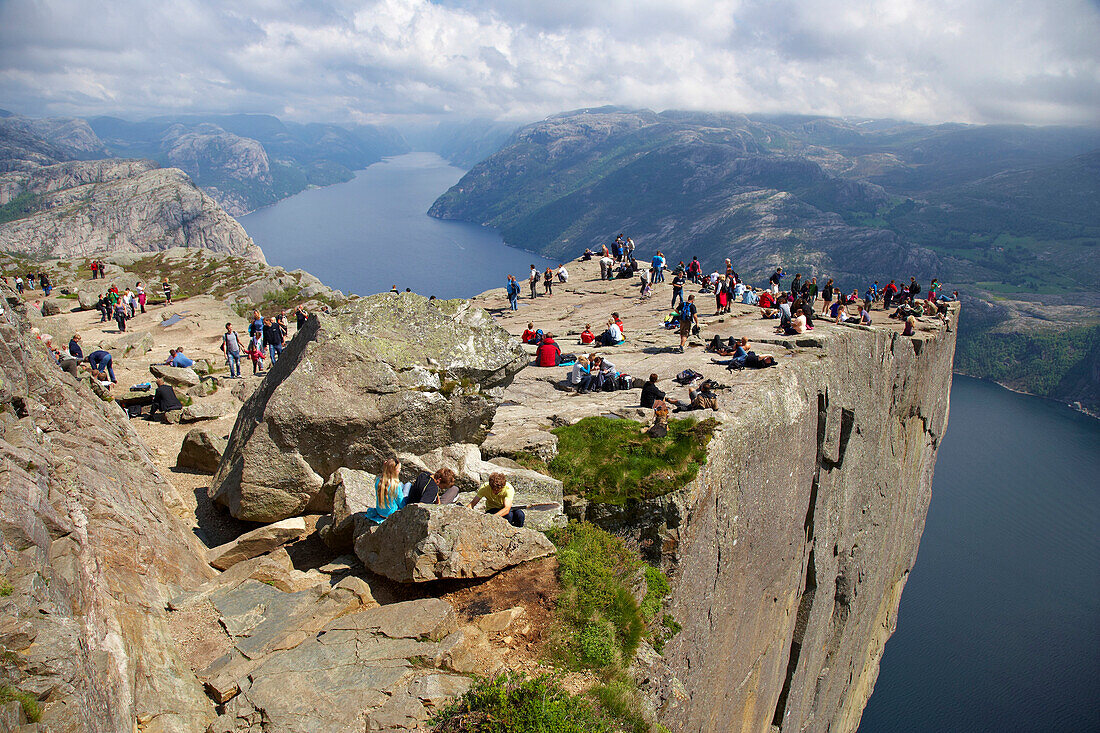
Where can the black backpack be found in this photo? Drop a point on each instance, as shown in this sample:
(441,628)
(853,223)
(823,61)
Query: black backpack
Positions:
(687,376)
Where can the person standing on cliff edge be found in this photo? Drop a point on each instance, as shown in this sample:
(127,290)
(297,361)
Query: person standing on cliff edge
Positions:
(513,293)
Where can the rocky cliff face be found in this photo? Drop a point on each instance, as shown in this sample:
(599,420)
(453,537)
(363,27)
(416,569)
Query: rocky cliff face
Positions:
(116,206)
(229,162)
(801,532)
(90,552)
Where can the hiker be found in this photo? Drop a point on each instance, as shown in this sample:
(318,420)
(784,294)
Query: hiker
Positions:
(678,289)
(607,268)
(164,399)
(513,293)
(231,347)
(650,392)
(181,361)
(738,354)
(437,488)
(530,335)
(120,317)
(826,297)
(688,318)
(95,269)
(256,354)
(612,336)
(167,288)
(888,294)
(587,337)
(19,284)
(533,280)
(498,495)
(657,267)
(141,296)
(300,317)
(74,347)
(578,374)
(390,493)
(548,353)
(548,282)
(704,399)
(100,361)
(646,287)
(256,328)
(910,326)
(273,339)
(563,274)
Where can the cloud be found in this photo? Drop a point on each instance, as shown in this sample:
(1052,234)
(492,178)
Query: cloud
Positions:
(360,60)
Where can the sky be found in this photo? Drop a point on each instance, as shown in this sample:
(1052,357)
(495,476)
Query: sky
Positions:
(1034,61)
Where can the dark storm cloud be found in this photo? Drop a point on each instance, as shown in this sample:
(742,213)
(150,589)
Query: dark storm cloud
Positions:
(363,60)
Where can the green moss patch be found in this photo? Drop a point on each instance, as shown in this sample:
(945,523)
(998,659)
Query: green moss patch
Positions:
(30,705)
(611,461)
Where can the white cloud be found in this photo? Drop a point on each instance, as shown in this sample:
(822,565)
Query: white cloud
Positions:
(927,60)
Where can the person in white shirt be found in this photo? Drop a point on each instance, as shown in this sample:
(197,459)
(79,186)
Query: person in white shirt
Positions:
(563,274)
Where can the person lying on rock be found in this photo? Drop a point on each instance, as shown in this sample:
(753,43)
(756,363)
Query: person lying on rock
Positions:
(498,495)
(390,493)
(180,360)
(704,399)
(437,488)
(164,399)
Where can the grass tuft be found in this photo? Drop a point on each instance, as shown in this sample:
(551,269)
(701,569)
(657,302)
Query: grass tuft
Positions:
(612,461)
(31,709)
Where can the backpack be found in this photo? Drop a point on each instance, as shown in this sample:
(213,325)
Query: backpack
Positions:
(687,376)
(609,384)
(625,381)
(686,311)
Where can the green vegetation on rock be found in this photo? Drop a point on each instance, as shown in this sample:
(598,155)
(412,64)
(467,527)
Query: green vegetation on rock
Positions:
(31,709)
(524,706)
(25,204)
(612,461)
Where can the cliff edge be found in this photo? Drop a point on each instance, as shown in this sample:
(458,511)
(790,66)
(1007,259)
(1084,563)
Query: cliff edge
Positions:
(789,551)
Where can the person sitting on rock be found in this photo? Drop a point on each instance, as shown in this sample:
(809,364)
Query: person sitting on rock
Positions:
(579,374)
(498,495)
(613,335)
(390,493)
(181,361)
(587,337)
(437,488)
(164,399)
(652,396)
(529,333)
(549,353)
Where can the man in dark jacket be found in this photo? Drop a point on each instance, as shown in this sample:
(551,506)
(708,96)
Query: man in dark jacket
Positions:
(164,399)
(273,338)
(650,392)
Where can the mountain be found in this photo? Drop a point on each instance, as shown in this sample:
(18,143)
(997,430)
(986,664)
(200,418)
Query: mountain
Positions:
(1007,214)
(247,161)
(65,208)
(463,143)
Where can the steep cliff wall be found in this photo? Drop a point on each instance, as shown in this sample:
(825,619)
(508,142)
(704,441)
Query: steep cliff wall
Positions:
(90,551)
(801,532)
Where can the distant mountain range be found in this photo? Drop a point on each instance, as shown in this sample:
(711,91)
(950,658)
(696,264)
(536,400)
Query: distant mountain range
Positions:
(1007,214)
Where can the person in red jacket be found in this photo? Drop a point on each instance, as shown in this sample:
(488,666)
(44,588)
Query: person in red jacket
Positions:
(587,336)
(529,334)
(549,353)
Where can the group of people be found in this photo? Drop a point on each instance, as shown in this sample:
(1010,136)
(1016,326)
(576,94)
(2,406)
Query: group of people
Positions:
(440,488)
(546,277)
(41,280)
(121,306)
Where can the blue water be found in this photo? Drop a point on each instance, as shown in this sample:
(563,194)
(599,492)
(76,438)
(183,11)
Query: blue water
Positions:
(371,233)
(999,626)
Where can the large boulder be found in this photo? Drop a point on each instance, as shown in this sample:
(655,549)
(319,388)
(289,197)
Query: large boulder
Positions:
(204,410)
(201,451)
(352,493)
(87,299)
(50,308)
(175,376)
(383,375)
(427,542)
(257,542)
